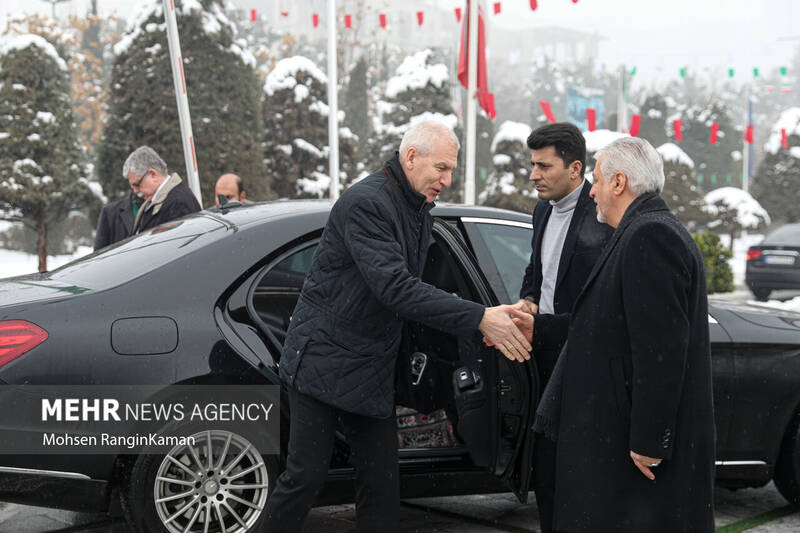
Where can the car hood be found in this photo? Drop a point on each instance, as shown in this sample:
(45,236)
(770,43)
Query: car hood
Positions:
(35,287)
(763,315)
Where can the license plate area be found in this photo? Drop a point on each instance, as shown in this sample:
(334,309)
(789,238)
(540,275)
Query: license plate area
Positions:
(779,259)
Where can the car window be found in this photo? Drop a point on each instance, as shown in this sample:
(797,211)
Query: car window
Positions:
(130,258)
(290,271)
(510,247)
(788,235)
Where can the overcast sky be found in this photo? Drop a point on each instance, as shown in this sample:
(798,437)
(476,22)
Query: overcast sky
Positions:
(650,34)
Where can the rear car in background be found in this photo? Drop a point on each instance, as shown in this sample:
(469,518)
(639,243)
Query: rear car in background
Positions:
(774,264)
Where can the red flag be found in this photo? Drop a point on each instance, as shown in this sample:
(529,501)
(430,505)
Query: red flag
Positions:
(591,118)
(420,15)
(382,18)
(497,8)
(784,138)
(253,15)
(315,20)
(547,110)
(284,13)
(534,5)
(574,1)
(677,126)
(636,124)
(748,136)
(458,14)
(714,130)
(348,21)
(485,98)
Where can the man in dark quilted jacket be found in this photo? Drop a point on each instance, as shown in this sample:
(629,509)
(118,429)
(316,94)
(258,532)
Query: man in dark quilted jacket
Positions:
(339,356)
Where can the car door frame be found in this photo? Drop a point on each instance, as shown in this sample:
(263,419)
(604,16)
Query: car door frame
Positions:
(516,473)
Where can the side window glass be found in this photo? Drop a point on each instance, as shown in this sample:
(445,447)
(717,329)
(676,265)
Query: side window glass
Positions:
(510,247)
(277,292)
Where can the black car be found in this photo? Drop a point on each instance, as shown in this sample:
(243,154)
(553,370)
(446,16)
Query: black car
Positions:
(774,263)
(208,299)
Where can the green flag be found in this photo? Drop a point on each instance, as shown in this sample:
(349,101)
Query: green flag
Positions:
(784,70)
(755,72)
(682,72)
(633,71)
(730,72)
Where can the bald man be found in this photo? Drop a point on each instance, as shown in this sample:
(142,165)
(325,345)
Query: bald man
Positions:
(231,187)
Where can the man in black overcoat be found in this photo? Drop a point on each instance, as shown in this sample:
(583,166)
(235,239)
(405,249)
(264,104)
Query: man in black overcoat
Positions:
(116,220)
(567,240)
(338,360)
(630,400)
(166,197)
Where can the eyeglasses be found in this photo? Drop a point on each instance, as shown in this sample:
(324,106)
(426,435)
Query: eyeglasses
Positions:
(140,180)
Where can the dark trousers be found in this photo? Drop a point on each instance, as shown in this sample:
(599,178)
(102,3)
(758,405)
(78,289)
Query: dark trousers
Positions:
(544,480)
(373,445)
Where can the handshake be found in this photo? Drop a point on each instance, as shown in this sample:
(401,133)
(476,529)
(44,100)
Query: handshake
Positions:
(509,328)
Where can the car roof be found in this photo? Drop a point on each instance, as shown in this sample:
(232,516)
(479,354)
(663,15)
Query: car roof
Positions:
(241,215)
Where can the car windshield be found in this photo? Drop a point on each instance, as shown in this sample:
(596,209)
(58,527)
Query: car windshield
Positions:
(787,235)
(131,258)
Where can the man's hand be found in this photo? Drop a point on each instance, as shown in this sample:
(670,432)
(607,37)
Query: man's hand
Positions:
(526,305)
(644,464)
(499,330)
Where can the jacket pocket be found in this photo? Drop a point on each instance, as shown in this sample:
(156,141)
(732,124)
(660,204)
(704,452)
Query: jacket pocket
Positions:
(621,386)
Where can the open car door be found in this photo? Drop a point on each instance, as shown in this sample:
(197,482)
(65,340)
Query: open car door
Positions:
(495,397)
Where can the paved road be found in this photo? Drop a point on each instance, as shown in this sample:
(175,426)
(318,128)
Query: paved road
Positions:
(754,510)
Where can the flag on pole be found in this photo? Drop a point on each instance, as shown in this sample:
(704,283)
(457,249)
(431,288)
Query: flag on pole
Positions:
(485,98)
(636,124)
(348,21)
(458,14)
(497,8)
(253,15)
(547,110)
(284,14)
(677,127)
(534,5)
(420,16)
(748,135)
(591,119)
(315,20)
(784,138)
(714,131)
(382,19)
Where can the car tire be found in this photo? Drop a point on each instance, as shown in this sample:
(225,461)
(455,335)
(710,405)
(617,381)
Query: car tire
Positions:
(762,295)
(156,487)
(787,468)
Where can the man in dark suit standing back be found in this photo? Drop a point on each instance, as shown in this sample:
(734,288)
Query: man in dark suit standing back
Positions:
(116,220)
(567,240)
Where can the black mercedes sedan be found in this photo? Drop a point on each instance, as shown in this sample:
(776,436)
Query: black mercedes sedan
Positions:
(774,263)
(206,301)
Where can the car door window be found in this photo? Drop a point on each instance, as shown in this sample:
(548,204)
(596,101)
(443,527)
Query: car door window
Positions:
(510,249)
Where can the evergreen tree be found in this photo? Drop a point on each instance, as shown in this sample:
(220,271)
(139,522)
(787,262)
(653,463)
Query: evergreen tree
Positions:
(508,185)
(223,93)
(296,122)
(733,210)
(42,164)
(654,116)
(419,90)
(682,195)
(356,105)
(777,180)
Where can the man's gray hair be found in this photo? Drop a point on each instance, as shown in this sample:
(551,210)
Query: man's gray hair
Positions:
(638,160)
(424,135)
(142,159)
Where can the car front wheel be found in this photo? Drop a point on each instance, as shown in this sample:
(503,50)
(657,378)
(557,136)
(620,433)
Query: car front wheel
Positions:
(219,483)
(787,469)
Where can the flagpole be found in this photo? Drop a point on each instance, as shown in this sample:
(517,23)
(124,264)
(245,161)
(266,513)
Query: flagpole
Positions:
(333,104)
(622,105)
(472,107)
(192,176)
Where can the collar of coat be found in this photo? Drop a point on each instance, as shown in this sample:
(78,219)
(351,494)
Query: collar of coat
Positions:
(644,203)
(415,200)
(154,206)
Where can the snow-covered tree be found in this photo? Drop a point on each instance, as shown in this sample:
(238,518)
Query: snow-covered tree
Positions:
(733,210)
(508,185)
(356,103)
(296,131)
(682,195)
(597,140)
(419,90)
(777,180)
(223,93)
(42,164)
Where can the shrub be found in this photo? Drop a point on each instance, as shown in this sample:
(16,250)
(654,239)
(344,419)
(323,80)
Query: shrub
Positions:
(719,276)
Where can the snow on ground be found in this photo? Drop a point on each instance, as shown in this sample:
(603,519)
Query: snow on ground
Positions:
(15,263)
